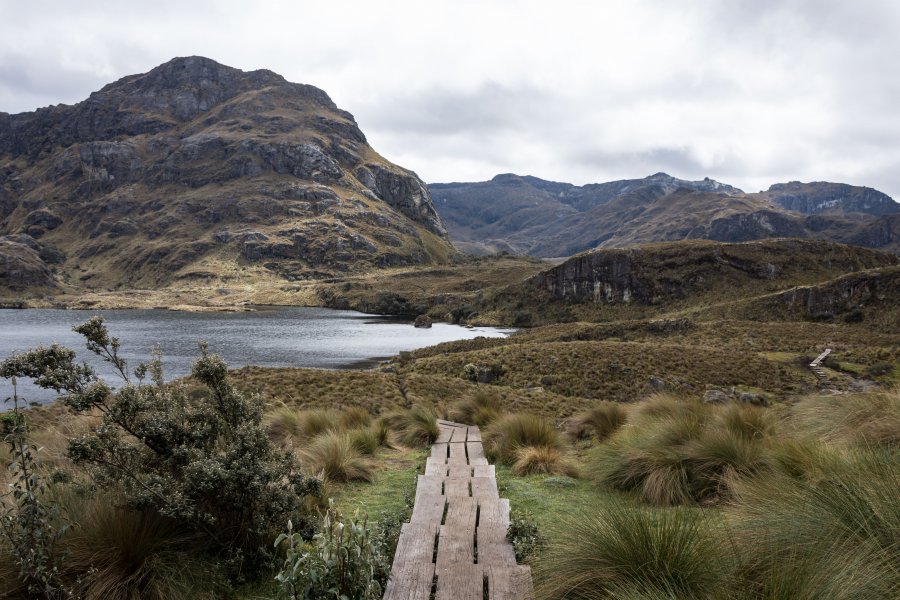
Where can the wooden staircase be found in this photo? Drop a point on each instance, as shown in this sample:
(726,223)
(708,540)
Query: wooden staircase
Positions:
(817,370)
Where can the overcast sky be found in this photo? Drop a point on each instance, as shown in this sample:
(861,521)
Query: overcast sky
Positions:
(749,92)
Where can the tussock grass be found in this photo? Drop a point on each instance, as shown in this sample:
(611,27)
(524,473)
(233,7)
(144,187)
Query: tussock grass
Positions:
(507,435)
(366,440)
(354,417)
(833,537)
(334,455)
(415,427)
(617,551)
(542,460)
(683,451)
(857,419)
(601,420)
(481,408)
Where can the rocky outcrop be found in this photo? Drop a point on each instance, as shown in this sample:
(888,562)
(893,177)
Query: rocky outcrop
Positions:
(21,266)
(664,273)
(842,295)
(832,198)
(174,164)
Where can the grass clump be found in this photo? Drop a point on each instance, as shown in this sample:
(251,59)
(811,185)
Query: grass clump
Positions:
(682,451)
(859,419)
(334,455)
(481,408)
(416,427)
(615,550)
(505,437)
(542,460)
(601,420)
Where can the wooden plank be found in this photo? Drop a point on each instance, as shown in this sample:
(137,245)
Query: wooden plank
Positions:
(416,543)
(436,467)
(429,510)
(461,515)
(459,434)
(429,485)
(460,582)
(411,581)
(509,583)
(474,434)
(455,547)
(458,454)
(474,450)
(439,450)
(493,547)
(484,487)
(457,487)
(484,471)
(493,513)
(478,462)
(459,471)
(444,436)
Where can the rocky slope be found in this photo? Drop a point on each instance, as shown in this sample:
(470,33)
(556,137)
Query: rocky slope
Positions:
(548,219)
(196,170)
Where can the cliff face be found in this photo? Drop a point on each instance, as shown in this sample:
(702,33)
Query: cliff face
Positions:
(196,169)
(822,197)
(665,272)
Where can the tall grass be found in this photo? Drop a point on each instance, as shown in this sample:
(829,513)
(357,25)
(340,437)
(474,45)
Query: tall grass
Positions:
(543,460)
(481,408)
(601,420)
(618,551)
(415,427)
(854,419)
(682,451)
(334,455)
(505,436)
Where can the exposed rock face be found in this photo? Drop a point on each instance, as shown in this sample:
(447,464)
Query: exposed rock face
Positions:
(831,198)
(656,274)
(21,267)
(550,219)
(158,175)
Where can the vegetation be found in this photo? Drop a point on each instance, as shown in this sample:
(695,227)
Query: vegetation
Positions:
(414,427)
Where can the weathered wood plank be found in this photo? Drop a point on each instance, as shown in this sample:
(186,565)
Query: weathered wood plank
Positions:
(444,436)
(474,450)
(459,434)
(461,515)
(459,471)
(439,450)
(457,487)
(484,487)
(460,582)
(457,454)
(410,581)
(509,583)
(436,467)
(416,543)
(474,434)
(455,547)
(493,512)
(429,485)
(428,510)
(484,471)
(478,462)
(493,547)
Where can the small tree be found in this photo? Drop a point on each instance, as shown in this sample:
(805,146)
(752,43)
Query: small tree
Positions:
(204,460)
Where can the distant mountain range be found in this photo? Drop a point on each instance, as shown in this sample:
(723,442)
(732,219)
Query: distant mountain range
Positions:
(198,171)
(527,215)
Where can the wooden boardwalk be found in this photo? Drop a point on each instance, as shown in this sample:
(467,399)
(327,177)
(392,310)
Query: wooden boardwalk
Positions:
(455,542)
(817,369)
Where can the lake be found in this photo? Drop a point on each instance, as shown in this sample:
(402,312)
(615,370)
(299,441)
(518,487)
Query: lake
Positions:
(267,337)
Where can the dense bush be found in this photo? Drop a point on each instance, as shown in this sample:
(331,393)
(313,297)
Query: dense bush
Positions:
(202,460)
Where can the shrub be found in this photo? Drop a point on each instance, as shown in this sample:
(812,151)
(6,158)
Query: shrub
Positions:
(505,436)
(601,420)
(525,537)
(615,550)
(206,462)
(334,455)
(481,408)
(342,562)
(415,427)
(546,460)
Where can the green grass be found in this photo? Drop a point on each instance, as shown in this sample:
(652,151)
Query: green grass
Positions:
(394,480)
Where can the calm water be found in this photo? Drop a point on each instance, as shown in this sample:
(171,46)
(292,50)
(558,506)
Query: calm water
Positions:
(269,337)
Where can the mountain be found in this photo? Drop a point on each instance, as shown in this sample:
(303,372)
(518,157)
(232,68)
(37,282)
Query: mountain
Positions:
(531,216)
(196,170)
